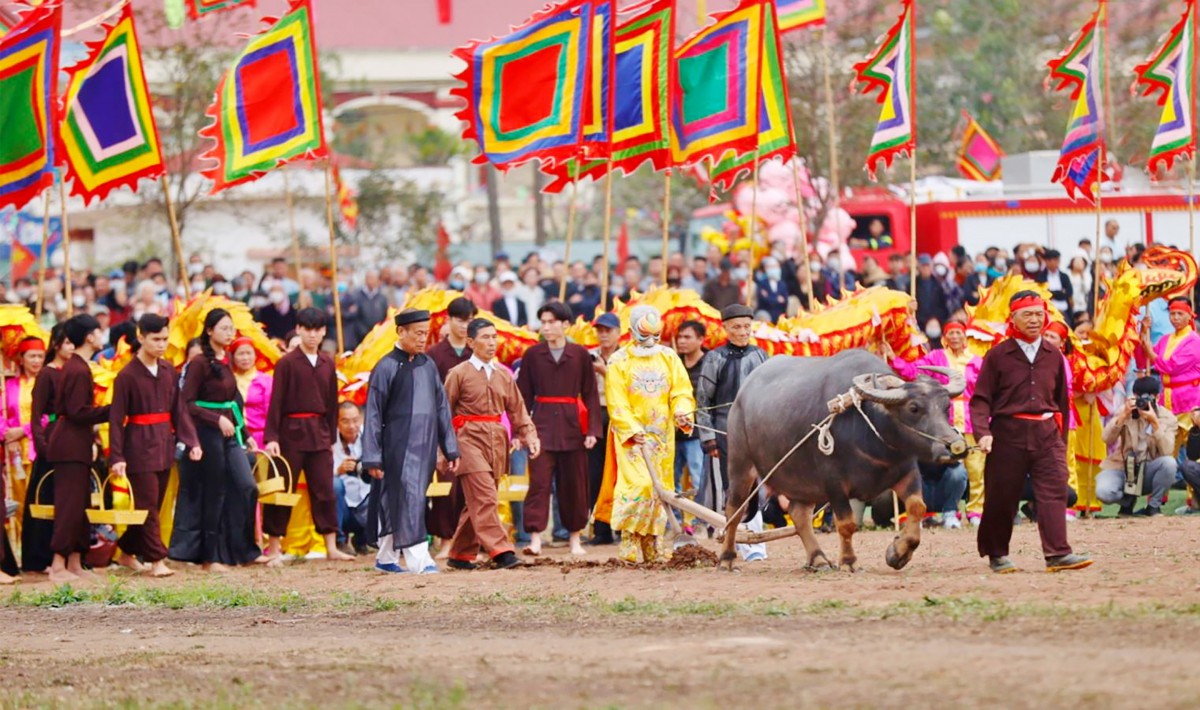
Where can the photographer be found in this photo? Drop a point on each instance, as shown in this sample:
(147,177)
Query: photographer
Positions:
(1144,463)
(349,487)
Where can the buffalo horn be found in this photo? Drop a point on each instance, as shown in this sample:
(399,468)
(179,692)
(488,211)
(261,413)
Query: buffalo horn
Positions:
(957,382)
(868,387)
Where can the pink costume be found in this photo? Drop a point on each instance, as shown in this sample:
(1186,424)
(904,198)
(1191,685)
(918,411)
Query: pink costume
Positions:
(1179,364)
(942,358)
(258,400)
(17,416)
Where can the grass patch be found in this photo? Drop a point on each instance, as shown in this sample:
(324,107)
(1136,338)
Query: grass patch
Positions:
(119,593)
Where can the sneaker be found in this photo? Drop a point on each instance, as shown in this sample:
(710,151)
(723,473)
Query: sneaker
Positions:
(1072,516)
(950,521)
(973,519)
(1187,510)
(1067,562)
(430,569)
(1148,512)
(390,568)
(506,560)
(1125,511)
(756,556)
(1001,565)
(461,564)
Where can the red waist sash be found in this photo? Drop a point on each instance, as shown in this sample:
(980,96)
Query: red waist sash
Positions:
(461,420)
(147,419)
(1056,416)
(580,407)
(304,415)
(1167,382)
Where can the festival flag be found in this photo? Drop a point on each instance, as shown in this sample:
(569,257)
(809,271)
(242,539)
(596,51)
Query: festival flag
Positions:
(978,154)
(1081,68)
(199,9)
(776,135)
(892,71)
(445,12)
(347,201)
(29,104)
(267,108)
(441,264)
(714,100)
(596,141)
(798,14)
(524,93)
(8,20)
(1171,72)
(642,81)
(107,136)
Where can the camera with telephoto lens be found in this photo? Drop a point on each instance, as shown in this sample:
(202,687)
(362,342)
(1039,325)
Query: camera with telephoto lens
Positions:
(1142,403)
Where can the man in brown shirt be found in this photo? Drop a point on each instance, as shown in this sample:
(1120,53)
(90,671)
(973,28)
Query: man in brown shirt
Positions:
(300,425)
(479,392)
(146,418)
(70,451)
(453,350)
(1019,413)
(558,384)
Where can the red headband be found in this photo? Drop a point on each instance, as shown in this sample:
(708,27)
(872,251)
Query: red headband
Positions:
(239,342)
(32,344)
(953,325)
(1059,328)
(1182,306)
(1026,302)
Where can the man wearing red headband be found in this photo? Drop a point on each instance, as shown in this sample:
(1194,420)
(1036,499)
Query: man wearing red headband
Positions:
(1176,357)
(955,355)
(1018,411)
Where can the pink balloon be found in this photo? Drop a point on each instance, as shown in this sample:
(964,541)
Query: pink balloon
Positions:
(775,175)
(773,206)
(743,199)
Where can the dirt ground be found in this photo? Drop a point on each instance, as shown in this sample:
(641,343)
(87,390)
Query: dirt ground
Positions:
(943,632)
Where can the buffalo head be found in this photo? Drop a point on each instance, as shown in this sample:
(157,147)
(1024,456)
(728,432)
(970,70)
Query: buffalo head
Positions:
(917,412)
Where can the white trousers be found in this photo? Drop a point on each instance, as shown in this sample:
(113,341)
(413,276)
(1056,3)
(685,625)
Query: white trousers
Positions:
(416,558)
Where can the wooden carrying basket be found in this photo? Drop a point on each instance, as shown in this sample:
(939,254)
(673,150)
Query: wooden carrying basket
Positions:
(513,488)
(274,487)
(99,515)
(437,487)
(45,511)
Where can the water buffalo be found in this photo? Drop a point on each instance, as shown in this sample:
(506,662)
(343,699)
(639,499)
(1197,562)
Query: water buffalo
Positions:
(782,399)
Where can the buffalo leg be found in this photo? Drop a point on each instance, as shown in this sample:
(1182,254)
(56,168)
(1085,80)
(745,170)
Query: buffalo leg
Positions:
(802,521)
(900,552)
(741,480)
(843,517)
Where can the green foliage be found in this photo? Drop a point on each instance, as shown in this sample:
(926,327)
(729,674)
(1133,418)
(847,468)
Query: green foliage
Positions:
(433,146)
(396,215)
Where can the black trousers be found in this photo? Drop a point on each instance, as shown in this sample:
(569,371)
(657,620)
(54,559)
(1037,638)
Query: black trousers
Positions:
(216,505)
(36,534)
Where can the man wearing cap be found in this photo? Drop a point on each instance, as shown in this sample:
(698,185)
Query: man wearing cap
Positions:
(608,333)
(724,371)
(509,306)
(407,422)
(558,383)
(1176,357)
(955,355)
(1059,284)
(1019,413)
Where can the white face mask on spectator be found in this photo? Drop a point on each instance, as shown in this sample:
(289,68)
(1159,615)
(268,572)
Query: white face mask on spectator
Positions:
(933,329)
(940,271)
(481,278)
(78,300)
(834,264)
(1031,265)
(277,297)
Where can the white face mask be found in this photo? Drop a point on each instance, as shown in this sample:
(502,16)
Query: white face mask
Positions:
(481,278)
(277,297)
(940,271)
(814,266)
(197,286)
(933,330)
(1031,265)
(774,273)
(834,265)
(1106,258)
(79,301)
(741,273)
(24,294)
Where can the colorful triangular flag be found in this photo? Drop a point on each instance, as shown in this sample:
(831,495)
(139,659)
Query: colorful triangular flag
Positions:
(108,135)
(1171,71)
(199,9)
(267,109)
(978,154)
(347,201)
(798,14)
(1081,68)
(29,104)
(891,70)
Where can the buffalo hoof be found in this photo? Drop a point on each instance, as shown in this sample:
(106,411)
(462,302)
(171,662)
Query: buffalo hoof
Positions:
(851,567)
(820,563)
(896,560)
(727,560)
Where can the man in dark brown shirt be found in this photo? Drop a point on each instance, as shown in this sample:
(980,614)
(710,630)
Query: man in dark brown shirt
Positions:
(146,418)
(71,452)
(1019,413)
(451,351)
(558,384)
(301,422)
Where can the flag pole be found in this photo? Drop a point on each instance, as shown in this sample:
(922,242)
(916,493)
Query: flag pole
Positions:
(1191,193)
(666,222)
(562,285)
(333,262)
(66,227)
(753,227)
(607,236)
(175,236)
(1101,107)
(42,255)
(912,222)
(803,229)
(291,210)
(830,118)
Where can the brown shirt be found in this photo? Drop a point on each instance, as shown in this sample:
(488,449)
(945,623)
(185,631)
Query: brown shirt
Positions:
(303,388)
(1009,384)
(147,448)
(484,445)
(571,377)
(201,384)
(446,359)
(44,388)
(74,403)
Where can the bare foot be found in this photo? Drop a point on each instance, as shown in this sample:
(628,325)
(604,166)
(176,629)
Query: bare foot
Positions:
(578,550)
(6,580)
(62,576)
(338,556)
(534,548)
(84,575)
(160,569)
(443,554)
(130,562)
(262,559)
(276,561)
(215,568)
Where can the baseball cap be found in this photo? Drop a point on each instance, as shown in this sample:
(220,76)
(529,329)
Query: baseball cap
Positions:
(608,320)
